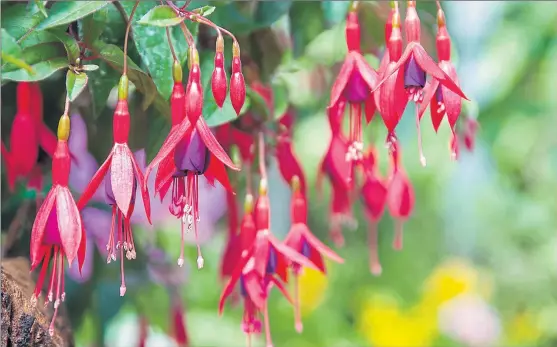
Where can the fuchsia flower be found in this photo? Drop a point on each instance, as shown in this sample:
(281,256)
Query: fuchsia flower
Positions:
(264,264)
(400,196)
(121,183)
(28,133)
(288,164)
(302,240)
(416,64)
(374,195)
(195,152)
(57,229)
(353,85)
(442,101)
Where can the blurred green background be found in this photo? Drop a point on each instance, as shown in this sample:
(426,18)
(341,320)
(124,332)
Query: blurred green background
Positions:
(479,266)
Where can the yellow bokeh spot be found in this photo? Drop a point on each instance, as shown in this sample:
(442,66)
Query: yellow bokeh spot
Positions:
(312,289)
(522,330)
(384,324)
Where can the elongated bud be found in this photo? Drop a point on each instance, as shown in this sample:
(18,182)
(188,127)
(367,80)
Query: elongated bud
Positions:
(262,208)
(443,40)
(218,80)
(121,122)
(352,31)
(194,91)
(177,103)
(177,72)
(298,206)
(248,204)
(412,23)
(193,57)
(64,128)
(237,83)
(395,41)
(123,88)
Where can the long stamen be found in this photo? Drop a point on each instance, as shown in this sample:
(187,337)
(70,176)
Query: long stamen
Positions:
(267,325)
(181,257)
(398,240)
(374,264)
(297,314)
(120,236)
(52,277)
(110,244)
(42,275)
(420,149)
(57,302)
(200,260)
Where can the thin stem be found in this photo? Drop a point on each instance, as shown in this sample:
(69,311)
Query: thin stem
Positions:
(170,44)
(67,107)
(262,168)
(438,5)
(185,5)
(187,35)
(128,27)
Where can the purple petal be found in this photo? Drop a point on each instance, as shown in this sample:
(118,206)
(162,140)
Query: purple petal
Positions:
(414,75)
(97,227)
(357,90)
(192,154)
(86,270)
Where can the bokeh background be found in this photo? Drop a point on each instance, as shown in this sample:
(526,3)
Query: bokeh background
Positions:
(479,266)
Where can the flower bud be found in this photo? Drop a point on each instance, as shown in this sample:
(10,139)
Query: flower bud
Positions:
(237,84)
(194,94)
(218,80)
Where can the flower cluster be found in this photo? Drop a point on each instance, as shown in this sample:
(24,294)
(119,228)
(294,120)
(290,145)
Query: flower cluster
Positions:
(401,78)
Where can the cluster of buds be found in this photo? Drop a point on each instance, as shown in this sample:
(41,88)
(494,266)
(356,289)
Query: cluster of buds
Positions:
(401,78)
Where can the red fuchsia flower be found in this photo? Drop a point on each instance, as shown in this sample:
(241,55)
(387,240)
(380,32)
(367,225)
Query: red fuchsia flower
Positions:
(416,63)
(218,79)
(442,101)
(27,134)
(121,175)
(302,240)
(263,265)
(333,165)
(196,152)
(237,84)
(57,229)
(374,196)
(465,133)
(288,164)
(400,196)
(354,83)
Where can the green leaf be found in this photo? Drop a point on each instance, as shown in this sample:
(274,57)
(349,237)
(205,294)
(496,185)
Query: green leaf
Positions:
(268,12)
(75,84)
(40,6)
(161,16)
(114,56)
(18,19)
(64,12)
(42,70)
(153,47)
(9,44)
(101,82)
(90,67)
(217,116)
(205,10)
(36,54)
(328,48)
(95,24)
(280,98)
(71,46)
(7,58)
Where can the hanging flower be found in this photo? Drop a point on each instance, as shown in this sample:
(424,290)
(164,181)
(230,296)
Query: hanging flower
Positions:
(57,230)
(120,185)
(301,239)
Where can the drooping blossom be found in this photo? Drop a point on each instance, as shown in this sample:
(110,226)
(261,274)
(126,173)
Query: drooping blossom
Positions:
(288,164)
(400,196)
(442,101)
(122,177)
(263,265)
(27,134)
(196,152)
(57,230)
(374,196)
(301,239)
(416,62)
(354,85)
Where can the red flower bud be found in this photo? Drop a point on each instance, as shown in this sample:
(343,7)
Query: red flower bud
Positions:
(237,84)
(353,32)
(194,93)
(218,80)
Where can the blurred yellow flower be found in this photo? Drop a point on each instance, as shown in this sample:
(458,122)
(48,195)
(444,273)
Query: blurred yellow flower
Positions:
(312,289)
(383,323)
(522,330)
(452,278)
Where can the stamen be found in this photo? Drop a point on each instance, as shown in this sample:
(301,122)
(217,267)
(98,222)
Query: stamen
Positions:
(52,277)
(42,275)
(181,257)
(398,240)
(374,264)
(267,325)
(420,149)
(297,314)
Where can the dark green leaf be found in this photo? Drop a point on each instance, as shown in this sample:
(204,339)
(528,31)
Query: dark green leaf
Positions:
(71,46)
(280,98)
(36,54)
(328,48)
(268,12)
(306,23)
(9,44)
(153,47)
(161,16)
(217,116)
(114,56)
(64,12)
(90,67)
(335,11)
(95,24)
(18,20)
(42,70)
(75,84)
(100,84)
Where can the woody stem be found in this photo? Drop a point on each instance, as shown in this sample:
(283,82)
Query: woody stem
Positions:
(128,27)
